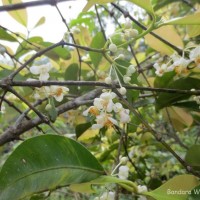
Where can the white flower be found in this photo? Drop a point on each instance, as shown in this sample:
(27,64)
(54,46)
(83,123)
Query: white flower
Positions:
(160,70)
(104,120)
(92,110)
(42,92)
(180,65)
(108,196)
(58,92)
(117,107)
(142,188)
(42,70)
(123,172)
(124,116)
(195,56)
(105,101)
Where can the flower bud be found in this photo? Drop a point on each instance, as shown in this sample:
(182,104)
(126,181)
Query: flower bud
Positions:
(108,80)
(123,160)
(133,32)
(113,48)
(126,79)
(122,90)
(48,107)
(127,25)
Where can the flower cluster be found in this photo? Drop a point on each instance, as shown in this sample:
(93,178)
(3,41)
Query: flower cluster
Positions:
(104,108)
(179,64)
(42,69)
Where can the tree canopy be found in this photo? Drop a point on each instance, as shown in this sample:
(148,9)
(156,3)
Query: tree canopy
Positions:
(110,111)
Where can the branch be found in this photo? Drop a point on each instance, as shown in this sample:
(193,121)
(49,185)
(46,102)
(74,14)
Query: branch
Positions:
(13,132)
(19,6)
(94,83)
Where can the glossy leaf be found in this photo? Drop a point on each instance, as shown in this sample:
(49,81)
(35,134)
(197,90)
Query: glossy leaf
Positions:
(145,4)
(4,35)
(167,99)
(103,180)
(71,73)
(81,128)
(169,190)
(192,156)
(97,42)
(19,15)
(45,163)
(168,33)
(186,20)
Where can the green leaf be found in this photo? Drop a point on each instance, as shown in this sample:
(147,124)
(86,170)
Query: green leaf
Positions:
(171,190)
(44,163)
(103,180)
(97,42)
(52,112)
(167,99)
(163,81)
(91,3)
(145,4)
(186,20)
(81,128)
(40,22)
(71,73)
(192,156)
(4,35)
(195,193)
(190,105)
(56,53)
(19,15)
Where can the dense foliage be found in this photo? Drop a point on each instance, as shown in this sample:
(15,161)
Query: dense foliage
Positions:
(102,114)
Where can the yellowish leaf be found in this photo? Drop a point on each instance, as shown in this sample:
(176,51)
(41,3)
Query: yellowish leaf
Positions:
(88,135)
(19,15)
(91,3)
(179,117)
(145,4)
(193,30)
(185,20)
(169,34)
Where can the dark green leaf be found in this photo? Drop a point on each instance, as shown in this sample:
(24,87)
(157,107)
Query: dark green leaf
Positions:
(52,112)
(190,105)
(44,163)
(71,73)
(81,128)
(195,194)
(97,42)
(167,99)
